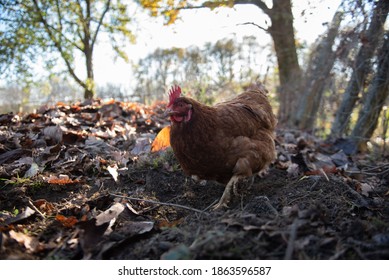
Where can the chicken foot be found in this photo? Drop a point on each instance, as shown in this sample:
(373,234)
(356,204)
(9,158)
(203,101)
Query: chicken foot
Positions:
(227,193)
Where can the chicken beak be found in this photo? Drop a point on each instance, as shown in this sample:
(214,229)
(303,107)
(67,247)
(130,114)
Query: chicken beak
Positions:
(168,112)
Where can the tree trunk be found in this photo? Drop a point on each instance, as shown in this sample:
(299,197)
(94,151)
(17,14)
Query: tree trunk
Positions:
(282,32)
(319,67)
(362,67)
(90,89)
(375,98)
(88,51)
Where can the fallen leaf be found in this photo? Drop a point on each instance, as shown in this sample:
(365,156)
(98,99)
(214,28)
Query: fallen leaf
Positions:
(32,171)
(53,134)
(110,214)
(162,141)
(61,180)
(24,215)
(142,145)
(113,170)
(44,206)
(90,236)
(61,104)
(340,158)
(31,243)
(366,189)
(132,228)
(68,222)
(168,224)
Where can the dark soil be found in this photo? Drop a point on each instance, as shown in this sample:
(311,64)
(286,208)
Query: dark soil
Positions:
(285,215)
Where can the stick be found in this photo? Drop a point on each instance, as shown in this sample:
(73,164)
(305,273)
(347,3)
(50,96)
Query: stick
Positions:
(160,203)
(325,175)
(212,204)
(292,238)
(36,209)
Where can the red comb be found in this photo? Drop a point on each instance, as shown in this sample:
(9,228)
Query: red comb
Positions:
(174,93)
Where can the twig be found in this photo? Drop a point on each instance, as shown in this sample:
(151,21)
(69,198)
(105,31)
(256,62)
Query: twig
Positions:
(36,209)
(256,25)
(160,203)
(132,209)
(373,168)
(292,239)
(209,206)
(369,173)
(325,175)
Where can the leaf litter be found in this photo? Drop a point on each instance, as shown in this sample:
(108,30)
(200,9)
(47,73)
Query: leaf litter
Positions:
(95,180)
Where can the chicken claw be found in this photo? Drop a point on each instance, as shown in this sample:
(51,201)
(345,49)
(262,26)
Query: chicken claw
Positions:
(227,193)
(264,172)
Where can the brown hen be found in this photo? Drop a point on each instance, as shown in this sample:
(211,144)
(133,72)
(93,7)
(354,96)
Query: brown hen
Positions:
(226,142)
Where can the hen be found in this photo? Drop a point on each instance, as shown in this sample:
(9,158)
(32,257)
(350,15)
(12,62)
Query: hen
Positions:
(226,142)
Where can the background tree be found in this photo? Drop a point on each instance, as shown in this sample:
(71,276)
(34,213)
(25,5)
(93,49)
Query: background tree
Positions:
(375,98)
(362,66)
(53,30)
(320,63)
(156,72)
(281,30)
(224,55)
(207,72)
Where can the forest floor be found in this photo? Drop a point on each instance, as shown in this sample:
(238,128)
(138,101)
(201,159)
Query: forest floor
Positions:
(79,182)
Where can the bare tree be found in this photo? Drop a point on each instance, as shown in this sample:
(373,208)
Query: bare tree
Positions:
(60,30)
(375,98)
(319,67)
(362,67)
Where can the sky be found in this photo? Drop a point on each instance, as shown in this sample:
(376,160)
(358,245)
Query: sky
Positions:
(196,27)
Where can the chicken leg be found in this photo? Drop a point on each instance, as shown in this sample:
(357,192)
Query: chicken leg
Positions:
(227,193)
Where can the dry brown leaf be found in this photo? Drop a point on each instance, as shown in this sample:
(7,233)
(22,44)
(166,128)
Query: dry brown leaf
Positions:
(110,101)
(44,206)
(61,180)
(66,221)
(168,224)
(61,104)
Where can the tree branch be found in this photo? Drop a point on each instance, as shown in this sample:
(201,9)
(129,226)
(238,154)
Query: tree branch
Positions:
(107,7)
(259,3)
(210,5)
(253,23)
(57,44)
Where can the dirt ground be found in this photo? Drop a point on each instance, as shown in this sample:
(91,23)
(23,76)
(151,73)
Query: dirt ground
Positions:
(89,188)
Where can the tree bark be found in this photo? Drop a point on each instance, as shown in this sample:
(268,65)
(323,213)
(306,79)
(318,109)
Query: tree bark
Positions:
(88,51)
(282,32)
(375,99)
(362,67)
(319,67)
